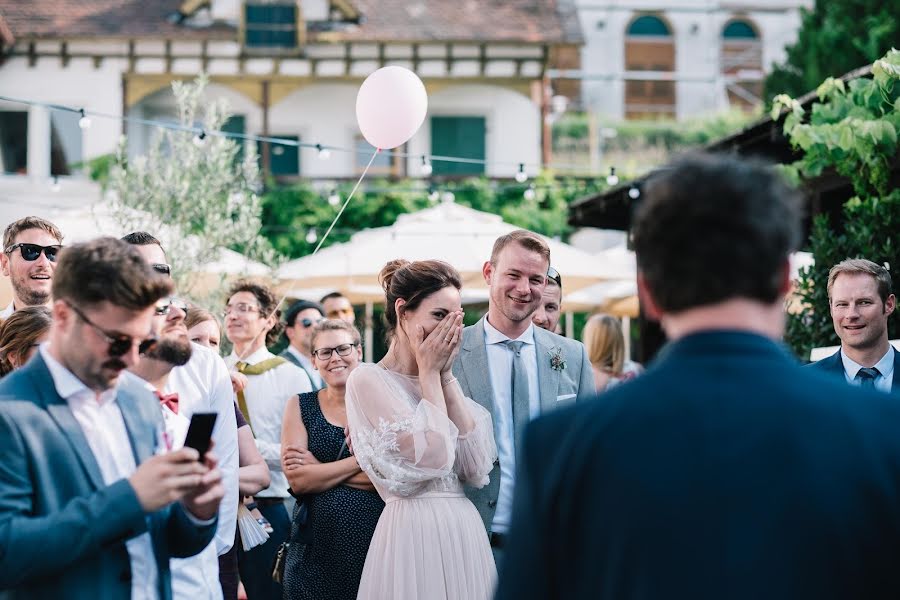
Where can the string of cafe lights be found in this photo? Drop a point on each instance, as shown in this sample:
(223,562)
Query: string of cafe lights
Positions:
(323,151)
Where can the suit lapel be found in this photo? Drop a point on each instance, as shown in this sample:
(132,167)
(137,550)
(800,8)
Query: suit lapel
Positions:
(548,378)
(474,365)
(290,357)
(59,411)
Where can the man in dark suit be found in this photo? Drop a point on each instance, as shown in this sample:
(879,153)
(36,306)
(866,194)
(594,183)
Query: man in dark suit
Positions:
(86,508)
(726,470)
(860,300)
(299,321)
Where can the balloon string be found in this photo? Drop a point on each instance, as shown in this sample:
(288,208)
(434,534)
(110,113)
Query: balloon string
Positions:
(346,202)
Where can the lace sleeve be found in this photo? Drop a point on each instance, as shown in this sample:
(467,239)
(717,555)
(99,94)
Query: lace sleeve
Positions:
(477,450)
(401,442)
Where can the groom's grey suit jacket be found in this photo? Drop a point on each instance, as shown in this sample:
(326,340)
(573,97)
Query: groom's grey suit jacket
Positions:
(559,388)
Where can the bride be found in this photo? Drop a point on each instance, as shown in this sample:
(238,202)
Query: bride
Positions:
(418,438)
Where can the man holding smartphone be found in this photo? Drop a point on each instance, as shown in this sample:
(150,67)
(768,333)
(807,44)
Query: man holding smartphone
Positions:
(86,508)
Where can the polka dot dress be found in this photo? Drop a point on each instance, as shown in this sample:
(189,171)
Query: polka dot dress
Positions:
(342,521)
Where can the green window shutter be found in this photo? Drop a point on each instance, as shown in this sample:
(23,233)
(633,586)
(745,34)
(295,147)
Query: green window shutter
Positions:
(283,160)
(458,136)
(235,124)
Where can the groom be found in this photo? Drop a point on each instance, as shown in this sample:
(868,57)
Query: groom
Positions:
(516,370)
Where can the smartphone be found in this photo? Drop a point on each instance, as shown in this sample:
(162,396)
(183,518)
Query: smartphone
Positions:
(199,434)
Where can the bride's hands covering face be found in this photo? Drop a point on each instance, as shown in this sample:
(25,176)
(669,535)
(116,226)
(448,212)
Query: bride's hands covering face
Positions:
(436,351)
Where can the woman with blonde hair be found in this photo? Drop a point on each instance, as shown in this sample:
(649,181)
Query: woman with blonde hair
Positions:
(20,335)
(605,344)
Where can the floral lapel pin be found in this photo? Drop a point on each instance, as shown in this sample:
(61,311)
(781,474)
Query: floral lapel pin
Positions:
(556,360)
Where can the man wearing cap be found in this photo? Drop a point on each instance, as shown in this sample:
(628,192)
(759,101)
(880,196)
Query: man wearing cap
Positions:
(299,321)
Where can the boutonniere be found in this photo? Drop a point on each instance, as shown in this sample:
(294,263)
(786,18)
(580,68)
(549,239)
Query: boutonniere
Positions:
(556,360)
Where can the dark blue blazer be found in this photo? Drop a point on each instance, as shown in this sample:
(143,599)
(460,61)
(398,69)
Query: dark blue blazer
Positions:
(62,530)
(725,471)
(833,365)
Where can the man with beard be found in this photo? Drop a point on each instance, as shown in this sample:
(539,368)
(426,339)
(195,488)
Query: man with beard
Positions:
(30,246)
(860,300)
(199,379)
(86,508)
(530,371)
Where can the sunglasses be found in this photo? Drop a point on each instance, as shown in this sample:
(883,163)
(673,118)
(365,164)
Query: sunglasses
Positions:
(164,306)
(31,252)
(118,344)
(307,323)
(342,350)
(161,268)
(555,276)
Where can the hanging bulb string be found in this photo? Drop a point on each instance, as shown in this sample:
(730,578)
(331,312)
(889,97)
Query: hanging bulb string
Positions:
(175,126)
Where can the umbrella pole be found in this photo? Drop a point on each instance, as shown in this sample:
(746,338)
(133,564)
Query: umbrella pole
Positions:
(570,325)
(369,337)
(626,329)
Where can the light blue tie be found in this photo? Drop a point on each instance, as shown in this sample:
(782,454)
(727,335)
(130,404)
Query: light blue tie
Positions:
(519,381)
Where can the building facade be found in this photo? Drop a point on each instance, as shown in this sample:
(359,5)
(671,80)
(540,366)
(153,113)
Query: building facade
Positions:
(679,58)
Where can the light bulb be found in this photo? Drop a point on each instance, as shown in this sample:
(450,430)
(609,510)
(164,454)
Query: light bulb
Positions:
(448,197)
(311,236)
(426,168)
(200,139)
(530,194)
(84,122)
(521,175)
(54,184)
(612,178)
(434,195)
(634,193)
(324,153)
(334,199)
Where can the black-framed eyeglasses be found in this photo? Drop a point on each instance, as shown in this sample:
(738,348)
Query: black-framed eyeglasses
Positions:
(307,323)
(118,344)
(31,252)
(162,269)
(342,350)
(555,276)
(164,305)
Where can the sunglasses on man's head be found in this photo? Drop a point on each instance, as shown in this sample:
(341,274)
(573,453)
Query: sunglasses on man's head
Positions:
(554,275)
(119,344)
(31,252)
(164,305)
(162,268)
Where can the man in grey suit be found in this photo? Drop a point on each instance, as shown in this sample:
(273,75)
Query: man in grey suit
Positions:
(86,508)
(514,369)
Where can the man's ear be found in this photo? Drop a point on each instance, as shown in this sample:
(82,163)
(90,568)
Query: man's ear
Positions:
(889,305)
(487,270)
(647,301)
(4,263)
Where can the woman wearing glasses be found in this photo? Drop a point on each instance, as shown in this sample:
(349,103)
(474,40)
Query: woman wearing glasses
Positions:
(420,439)
(342,507)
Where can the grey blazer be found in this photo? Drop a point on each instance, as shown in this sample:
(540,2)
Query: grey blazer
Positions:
(559,388)
(62,529)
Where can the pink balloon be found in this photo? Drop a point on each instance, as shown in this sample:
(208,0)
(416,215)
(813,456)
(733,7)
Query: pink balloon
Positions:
(391,106)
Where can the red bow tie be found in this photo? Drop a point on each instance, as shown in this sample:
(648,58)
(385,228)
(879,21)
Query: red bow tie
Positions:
(170,400)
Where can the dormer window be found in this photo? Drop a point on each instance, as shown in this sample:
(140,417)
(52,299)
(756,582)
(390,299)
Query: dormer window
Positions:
(271,25)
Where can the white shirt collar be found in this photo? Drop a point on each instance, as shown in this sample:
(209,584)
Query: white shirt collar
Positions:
(256,357)
(885,366)
(299,355)
(66,383)
(493,336)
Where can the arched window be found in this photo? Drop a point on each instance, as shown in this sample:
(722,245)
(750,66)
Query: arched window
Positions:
(742,63)
(649,56)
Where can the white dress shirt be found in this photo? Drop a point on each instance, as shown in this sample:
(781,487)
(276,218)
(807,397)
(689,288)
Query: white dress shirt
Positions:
(266,396)
(204,385)
(6,312)
(500,360)
(885,367)
(104,428)
(307,366)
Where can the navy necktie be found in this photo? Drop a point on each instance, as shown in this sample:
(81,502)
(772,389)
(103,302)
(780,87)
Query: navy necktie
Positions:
(866,377)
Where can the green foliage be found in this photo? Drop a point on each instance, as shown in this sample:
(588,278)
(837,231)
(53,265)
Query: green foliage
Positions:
(196,197)
(289,213)
(853,131)
(835,37)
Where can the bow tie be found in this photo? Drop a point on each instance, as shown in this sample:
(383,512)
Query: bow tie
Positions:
(170,400)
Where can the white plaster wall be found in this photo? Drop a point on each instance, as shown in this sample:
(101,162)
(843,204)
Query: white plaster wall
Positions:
(511,119)
(79,84)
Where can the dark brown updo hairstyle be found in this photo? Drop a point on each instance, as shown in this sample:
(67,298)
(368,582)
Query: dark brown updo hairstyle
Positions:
(20,332)
(413,281)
